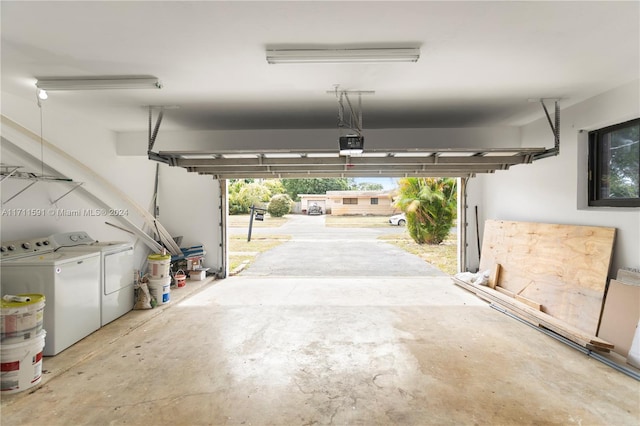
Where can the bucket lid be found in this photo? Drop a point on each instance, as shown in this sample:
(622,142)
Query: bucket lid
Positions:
(159,257)
(34,299)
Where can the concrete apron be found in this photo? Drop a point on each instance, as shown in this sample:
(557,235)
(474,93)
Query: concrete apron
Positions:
(301,351)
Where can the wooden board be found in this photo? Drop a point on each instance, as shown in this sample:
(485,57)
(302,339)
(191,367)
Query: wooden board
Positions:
(564,268)
(535,316)
(620,315)
(494,277)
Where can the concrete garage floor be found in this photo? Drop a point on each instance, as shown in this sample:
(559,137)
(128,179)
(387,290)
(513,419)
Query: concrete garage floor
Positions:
(382,338)
(322,351)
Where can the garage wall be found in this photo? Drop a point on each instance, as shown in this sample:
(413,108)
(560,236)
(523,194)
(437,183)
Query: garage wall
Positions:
(554,190)
(190,207)
(95,147)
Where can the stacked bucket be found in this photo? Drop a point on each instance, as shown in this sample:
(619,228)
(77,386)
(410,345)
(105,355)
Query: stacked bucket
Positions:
(22,338)
(159,277)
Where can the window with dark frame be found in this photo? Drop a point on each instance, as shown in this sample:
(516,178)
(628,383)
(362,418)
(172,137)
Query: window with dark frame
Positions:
(349,201)
(374,201)
(614,165)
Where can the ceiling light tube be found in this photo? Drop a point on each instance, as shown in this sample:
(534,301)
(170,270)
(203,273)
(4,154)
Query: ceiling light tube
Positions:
(302,56)
(98,83)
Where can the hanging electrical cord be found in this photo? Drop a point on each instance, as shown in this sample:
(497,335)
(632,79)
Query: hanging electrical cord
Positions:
(354,120)
(41,95)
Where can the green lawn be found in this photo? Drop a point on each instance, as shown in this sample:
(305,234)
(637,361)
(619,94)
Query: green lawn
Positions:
(242,251)
(242,221)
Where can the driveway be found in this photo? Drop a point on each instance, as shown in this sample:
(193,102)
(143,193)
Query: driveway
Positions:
(319,251)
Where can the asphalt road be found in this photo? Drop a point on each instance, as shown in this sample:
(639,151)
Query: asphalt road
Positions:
(318,251)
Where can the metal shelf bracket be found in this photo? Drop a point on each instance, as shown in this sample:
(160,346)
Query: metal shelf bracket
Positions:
(555,129)
(78,185)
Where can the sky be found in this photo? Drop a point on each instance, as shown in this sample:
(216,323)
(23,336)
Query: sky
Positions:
(387,183)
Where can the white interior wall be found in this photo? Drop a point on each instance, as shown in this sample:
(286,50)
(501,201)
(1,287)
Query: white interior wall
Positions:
(190,207)
(473,201)
(84,140)
(553,190)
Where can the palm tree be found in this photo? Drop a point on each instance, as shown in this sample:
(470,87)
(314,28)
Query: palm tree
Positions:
(430,205)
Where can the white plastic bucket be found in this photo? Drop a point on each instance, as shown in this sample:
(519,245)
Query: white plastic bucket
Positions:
(181,278)
(21,320)
(160,289)
(21,364)
(159,265)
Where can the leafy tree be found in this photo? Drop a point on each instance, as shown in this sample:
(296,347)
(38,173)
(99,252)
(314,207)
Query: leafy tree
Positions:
(234,181)
(243,195)
(274,186)
(430,205)
(235,204)
(368,186)
(294,187)
(255,194)
(623,147)
(279,205)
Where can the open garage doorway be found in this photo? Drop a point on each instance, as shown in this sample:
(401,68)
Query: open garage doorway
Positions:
(352,235)
(460,163)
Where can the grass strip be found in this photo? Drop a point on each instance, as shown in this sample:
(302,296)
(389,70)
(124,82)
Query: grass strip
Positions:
(243,251)
(443,256)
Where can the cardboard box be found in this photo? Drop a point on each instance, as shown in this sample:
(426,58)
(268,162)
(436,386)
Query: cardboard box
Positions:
(197,275)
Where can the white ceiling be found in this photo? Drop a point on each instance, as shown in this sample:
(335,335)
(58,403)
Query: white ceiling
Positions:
(480,61)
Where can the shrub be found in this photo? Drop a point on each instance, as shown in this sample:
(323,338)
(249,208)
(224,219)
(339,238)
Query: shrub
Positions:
(279,205)
(430,205)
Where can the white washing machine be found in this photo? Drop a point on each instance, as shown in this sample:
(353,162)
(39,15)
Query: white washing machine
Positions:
(70,282)
(116,270)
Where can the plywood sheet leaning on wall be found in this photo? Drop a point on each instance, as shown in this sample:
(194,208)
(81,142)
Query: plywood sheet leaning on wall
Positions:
(620,315)
(564,268)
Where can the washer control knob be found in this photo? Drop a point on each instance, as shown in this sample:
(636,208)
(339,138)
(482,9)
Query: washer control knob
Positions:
(45,243)
(11,247)
(26,246)
(3,249)
(73,238)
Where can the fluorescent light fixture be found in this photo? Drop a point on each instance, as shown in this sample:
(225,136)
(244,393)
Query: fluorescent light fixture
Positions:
(310,56)
(98,83)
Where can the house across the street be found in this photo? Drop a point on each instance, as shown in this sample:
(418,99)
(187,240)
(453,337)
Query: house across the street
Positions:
(342,203)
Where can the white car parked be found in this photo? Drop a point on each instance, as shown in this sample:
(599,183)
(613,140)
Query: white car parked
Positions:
(398,219)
